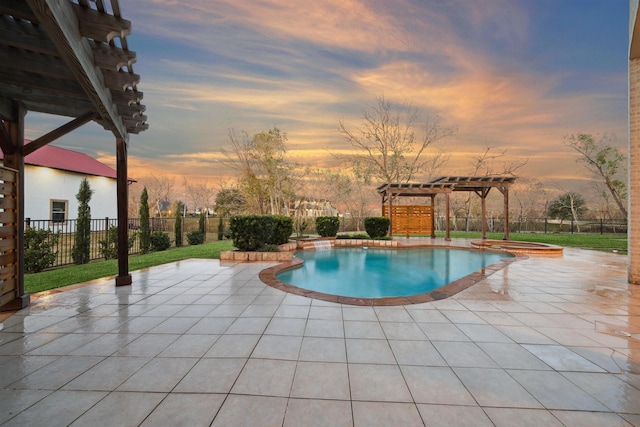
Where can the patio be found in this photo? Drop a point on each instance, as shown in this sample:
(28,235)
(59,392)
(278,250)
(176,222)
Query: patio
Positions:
(546,341)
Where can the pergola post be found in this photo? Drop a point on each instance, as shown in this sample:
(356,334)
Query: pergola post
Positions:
(433,216)
(483,197)
(447,236)
(390,199)
(505,193)
(14,159)
(124,277)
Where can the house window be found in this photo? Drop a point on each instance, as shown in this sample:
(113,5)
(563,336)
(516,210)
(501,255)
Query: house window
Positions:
(59,210)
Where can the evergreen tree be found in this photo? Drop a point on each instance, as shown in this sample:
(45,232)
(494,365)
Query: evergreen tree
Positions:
(81,248)
(202,225)
(178,226)
(145,230)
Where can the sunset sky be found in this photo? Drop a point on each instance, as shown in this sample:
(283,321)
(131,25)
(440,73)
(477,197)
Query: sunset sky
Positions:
(516,74)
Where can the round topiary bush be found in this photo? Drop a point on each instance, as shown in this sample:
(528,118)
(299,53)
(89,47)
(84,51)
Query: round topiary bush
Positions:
(195,237)
(160,241)
(250,232)
(327,226)
(282,229)
(376,226)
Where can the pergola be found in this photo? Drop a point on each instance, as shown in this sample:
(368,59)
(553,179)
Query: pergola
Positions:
(481,185)
(68,58)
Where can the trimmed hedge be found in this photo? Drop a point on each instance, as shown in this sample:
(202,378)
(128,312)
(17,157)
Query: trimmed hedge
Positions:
(376,226)
(251,232)
(160,241)
(195,237)
(282,229)
(327,226)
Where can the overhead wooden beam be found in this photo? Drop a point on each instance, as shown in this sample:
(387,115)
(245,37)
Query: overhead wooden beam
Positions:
(33,62)
(100,26)
(6,108)
(27,81)
(25,35)
(18,9)
(120,80)
(57,133)
(5,140)
(112,58)
(61,23)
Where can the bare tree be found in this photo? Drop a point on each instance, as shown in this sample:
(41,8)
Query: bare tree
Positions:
(396,143)
(487,163)
(605,162)
(160,190)
(266,179)
(201,194)
(531,198)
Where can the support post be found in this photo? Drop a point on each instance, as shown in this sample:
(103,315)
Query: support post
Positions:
(483,193)
(15,160)
(447,220)
(505,193)
(433,216)
(390,198)
(124,277)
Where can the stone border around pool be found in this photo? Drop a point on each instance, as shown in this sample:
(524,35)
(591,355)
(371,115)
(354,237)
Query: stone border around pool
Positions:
(268,276)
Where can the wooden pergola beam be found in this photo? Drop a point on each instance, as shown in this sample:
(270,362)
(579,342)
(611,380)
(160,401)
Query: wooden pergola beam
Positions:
(61,23)
(59,132)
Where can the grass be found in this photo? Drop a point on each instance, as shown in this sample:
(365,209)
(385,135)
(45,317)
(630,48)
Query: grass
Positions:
(607,242)
(70,275)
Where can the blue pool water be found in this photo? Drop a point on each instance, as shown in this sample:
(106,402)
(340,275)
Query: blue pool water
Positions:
(378,273)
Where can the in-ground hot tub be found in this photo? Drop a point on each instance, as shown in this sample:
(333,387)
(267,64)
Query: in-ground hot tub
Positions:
(529,248)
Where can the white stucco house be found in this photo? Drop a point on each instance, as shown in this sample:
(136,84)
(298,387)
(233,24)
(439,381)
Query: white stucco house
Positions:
(52,180)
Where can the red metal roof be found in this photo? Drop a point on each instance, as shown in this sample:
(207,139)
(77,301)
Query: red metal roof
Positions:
(60,158)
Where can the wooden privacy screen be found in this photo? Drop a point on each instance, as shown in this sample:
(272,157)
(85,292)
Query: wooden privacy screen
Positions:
(8,252)
(410,219)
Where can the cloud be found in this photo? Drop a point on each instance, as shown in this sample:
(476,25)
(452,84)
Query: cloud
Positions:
(208,66)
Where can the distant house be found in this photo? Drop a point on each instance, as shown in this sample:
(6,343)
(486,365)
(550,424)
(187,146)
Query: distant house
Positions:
(52,180)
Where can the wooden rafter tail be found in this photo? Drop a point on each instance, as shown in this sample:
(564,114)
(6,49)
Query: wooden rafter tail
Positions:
(119,80)
(112,58)
(61,24)
(100,26)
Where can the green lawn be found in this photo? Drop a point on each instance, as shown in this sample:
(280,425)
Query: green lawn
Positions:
(70,275)
(586,241)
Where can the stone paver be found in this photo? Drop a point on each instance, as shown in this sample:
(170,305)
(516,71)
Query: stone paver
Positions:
(204,343)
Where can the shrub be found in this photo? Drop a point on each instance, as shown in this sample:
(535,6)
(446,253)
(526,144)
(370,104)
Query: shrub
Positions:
(160,241)
(251,232)
(360,236)
(221,229)
(38,249)
(376,226)
(177,227)
(109,247)
(282,229)
(202,225)
(270,248)
(145,230)
(82,243)
(195,237)
(327,226)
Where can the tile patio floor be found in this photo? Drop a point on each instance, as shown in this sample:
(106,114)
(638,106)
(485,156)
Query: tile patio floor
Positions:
(544,342)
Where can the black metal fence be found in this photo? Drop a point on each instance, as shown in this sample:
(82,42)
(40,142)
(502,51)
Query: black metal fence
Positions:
(64,231)
(516,225)
(62,238)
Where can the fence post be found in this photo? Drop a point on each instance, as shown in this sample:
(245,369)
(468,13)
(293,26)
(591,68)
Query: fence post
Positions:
(545,226)
(27,222)
(572,225)
(600,225)
(106,230)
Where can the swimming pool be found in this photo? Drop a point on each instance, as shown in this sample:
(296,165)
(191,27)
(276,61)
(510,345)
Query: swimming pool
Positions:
(382,273)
